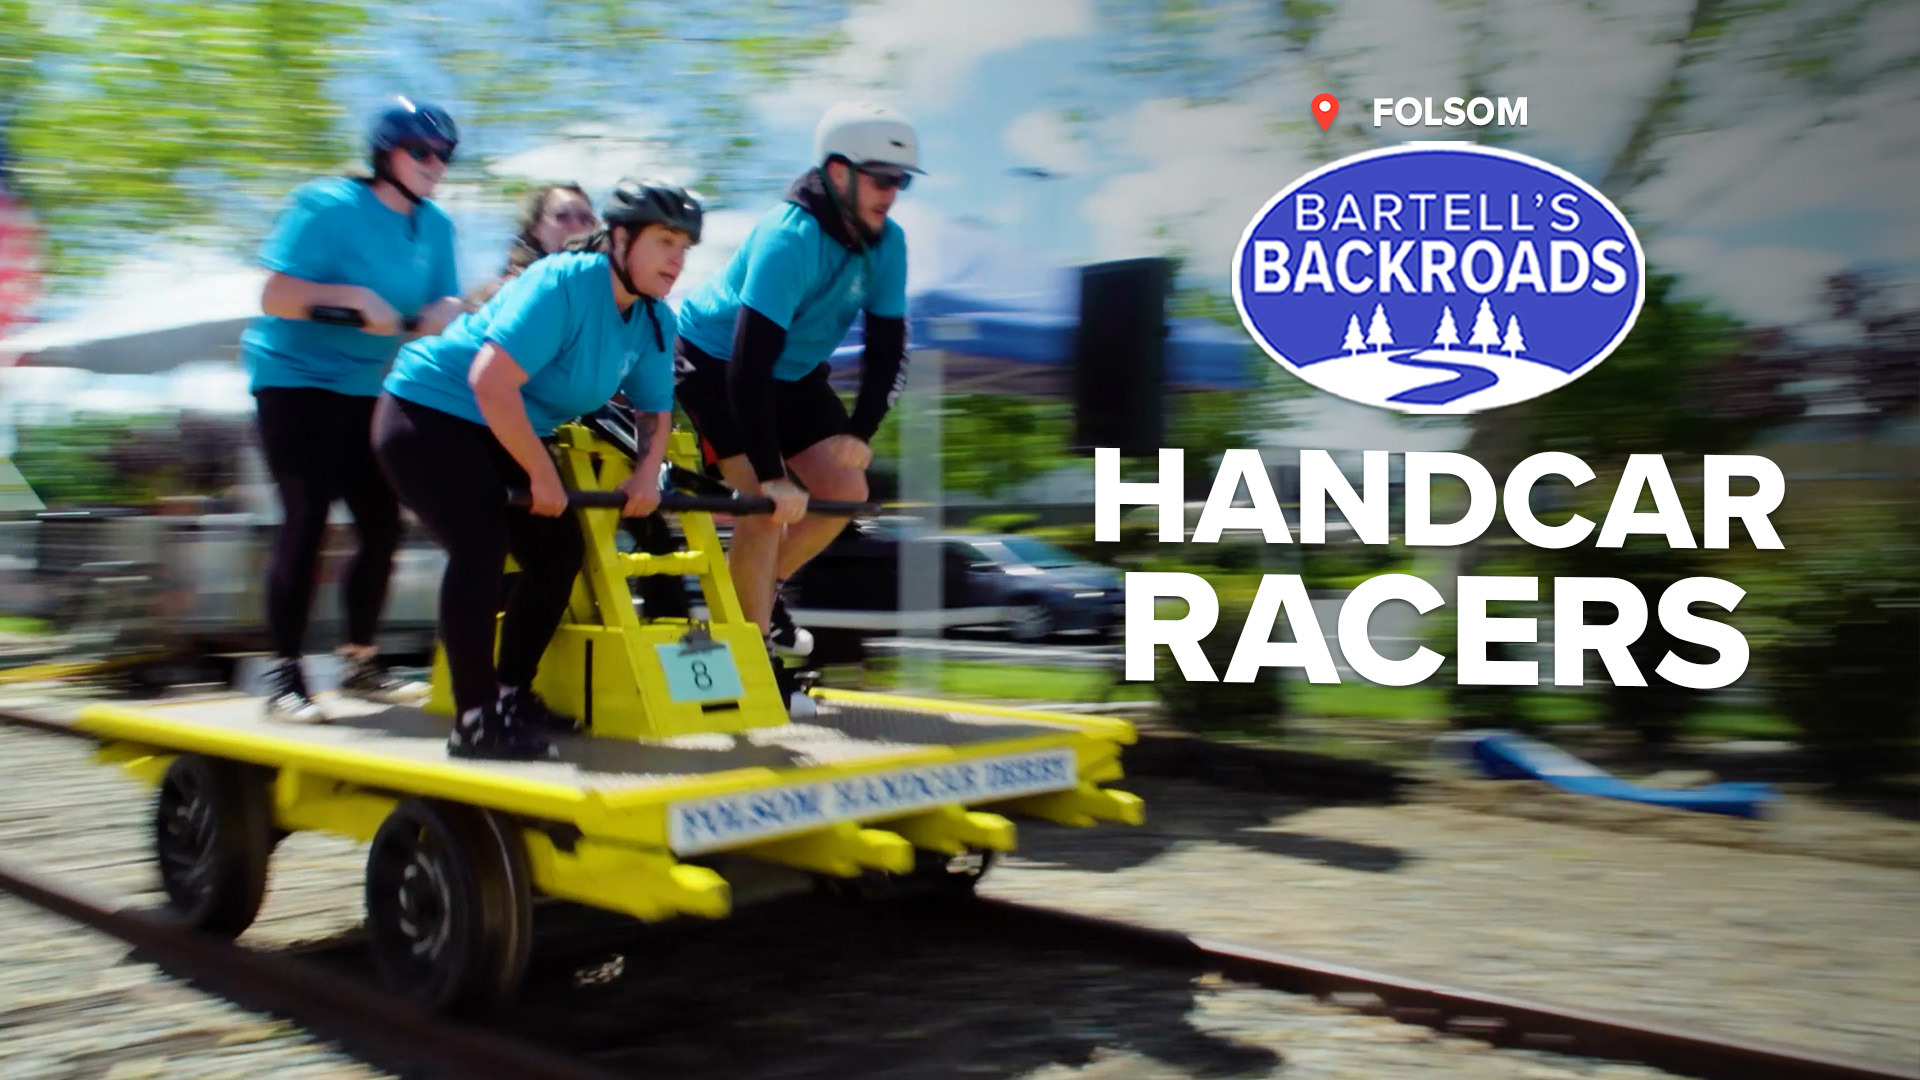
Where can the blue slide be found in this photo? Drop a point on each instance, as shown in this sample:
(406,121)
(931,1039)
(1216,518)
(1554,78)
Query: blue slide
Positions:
(1503,755)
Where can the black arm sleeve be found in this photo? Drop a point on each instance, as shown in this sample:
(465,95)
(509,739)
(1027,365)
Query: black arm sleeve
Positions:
(757,343)
(883,373)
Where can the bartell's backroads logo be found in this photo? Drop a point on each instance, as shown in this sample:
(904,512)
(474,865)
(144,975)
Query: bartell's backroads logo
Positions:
(1439,278)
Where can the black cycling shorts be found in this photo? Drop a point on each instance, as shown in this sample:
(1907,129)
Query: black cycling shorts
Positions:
(807,410)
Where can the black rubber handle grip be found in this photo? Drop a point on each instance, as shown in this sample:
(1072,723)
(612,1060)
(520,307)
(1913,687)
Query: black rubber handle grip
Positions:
(346,316)
(712,504)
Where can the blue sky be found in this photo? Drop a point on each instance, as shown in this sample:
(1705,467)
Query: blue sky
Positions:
(1772,186)
(1770,189)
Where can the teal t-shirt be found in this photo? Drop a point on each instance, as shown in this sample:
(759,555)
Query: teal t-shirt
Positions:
(559,322)
(792,272)
(336,231)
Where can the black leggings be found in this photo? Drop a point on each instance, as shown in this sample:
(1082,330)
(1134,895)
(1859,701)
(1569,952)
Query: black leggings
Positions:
(318,446)
(454,475)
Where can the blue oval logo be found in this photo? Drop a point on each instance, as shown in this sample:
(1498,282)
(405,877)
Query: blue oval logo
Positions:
(1439,279)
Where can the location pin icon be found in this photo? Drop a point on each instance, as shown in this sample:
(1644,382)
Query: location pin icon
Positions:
(1325,108)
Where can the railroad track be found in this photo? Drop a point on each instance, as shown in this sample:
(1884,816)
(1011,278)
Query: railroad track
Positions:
(373,1026)
(1491,1018)
(314,993)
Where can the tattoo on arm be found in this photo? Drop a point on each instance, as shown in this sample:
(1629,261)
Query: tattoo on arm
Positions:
(644,425)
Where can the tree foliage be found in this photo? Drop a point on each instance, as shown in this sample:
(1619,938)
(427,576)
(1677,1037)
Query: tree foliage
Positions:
(128,119)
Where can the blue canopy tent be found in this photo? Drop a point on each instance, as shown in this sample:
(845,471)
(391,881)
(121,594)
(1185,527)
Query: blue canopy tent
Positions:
(1006,321)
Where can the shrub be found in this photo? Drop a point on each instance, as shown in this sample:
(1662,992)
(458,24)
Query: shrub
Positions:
(1834,628)
(1221,706)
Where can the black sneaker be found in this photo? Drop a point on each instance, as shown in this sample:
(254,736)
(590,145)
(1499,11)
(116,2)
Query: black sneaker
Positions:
(369,680)
(287,697)
(785,636)
(521,707)
(800,707)
(482,733)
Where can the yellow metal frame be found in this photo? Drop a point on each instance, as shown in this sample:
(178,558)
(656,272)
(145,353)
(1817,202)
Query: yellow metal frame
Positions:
(600,664)
(610,847)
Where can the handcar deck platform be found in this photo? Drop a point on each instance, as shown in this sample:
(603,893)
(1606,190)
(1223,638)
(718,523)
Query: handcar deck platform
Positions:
(882,756)
(692,777)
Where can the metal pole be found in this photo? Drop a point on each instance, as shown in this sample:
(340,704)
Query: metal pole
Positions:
(921,600)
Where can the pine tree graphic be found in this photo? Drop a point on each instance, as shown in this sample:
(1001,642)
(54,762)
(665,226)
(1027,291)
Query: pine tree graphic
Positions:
(1514,343)
(1378,332)
(1448,334)
(1485,331)
(1354,343)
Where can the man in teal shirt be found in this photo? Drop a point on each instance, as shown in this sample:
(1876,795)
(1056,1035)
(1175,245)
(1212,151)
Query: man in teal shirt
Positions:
(755,341)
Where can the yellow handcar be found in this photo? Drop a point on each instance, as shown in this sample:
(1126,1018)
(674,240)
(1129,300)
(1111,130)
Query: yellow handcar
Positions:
(690,780)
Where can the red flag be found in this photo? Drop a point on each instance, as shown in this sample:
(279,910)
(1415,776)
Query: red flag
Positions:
(19,254)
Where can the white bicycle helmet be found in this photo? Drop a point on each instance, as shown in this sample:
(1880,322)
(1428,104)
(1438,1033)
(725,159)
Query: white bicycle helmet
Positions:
(866,134)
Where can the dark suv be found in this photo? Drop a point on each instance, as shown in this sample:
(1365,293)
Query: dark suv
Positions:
(1025,586)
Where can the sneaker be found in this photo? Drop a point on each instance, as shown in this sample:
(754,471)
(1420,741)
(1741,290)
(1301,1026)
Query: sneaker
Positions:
(482,733)
(783,633)
(800,706)
(369,680)
(287,697)
(521,707)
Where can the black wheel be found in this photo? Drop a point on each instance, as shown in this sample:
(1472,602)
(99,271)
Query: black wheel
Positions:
(950,876)
(934,877)
(213,834)
(449,906)
(1032,621)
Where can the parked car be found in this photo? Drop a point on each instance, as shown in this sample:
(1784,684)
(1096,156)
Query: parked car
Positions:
(1049,589)
(1026,587)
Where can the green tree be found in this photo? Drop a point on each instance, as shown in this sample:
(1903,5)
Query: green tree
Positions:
(991,443)
(145,116)
(128,119)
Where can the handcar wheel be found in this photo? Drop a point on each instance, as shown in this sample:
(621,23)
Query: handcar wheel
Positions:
(510,922)
(213,834)
(951,876)
(935,876)
(448,907)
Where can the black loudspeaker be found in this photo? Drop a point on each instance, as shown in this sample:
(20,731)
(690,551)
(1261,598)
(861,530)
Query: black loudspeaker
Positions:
(1119,356)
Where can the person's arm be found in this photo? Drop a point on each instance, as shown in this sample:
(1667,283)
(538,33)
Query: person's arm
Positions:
(757,344)
(883,374)
(439,315)
(289,297)
(496,381)
(642,489)
(301,256)
(449,305)
(648,391)
(883,362)
(526,335)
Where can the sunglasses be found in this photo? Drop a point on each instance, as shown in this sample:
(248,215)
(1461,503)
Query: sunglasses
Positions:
(886,179)
(422,151)
(582,218)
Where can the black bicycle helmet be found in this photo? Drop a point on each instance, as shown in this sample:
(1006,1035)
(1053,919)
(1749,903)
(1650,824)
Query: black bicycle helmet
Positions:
(639,203)
(407,123)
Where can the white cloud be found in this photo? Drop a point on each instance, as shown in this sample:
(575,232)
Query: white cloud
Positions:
(597,157)
(721,234)
(1765,285)
(917,54)
(186,286)
(1390,48)
(1766,192)
(1041,138)
(1794,169)
(1587,71)
(1211,168)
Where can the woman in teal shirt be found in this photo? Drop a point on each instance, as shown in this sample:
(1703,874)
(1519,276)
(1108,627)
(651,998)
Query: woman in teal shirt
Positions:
(462,421)
(380,248)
